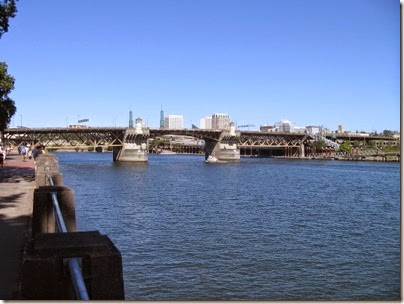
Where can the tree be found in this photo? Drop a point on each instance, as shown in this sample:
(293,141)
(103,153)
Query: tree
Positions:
(8,9)
(7,107)
(388,133)
(345,147)
(320,145)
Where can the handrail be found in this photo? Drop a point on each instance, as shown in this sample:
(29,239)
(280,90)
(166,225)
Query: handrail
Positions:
(79,286)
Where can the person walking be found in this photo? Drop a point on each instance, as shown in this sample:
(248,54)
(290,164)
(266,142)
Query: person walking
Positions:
(2,157)
(23,150)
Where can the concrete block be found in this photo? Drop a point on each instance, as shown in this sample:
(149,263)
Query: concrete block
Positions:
(41,179)
(43,217)
(44,274)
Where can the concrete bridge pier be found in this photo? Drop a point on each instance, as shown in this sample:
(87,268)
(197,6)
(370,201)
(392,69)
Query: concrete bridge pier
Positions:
(135,146)
(302,151)
(224,149)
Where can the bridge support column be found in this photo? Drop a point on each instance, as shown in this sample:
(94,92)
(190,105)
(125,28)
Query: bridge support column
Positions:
(302,151)
(225,149)
(223,152)
(135,147)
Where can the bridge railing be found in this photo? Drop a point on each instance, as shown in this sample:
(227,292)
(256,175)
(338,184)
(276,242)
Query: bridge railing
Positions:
(54,250)
(80,289)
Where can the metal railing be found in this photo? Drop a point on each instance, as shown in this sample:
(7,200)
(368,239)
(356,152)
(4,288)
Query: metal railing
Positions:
(76,275)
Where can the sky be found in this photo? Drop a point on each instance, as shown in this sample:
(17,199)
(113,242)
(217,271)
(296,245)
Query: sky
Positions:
(312,62)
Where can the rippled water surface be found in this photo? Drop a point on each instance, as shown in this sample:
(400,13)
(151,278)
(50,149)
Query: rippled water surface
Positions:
(260,229)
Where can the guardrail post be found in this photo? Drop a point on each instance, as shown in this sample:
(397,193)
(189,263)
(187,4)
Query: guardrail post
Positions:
(43,217)
(47,165)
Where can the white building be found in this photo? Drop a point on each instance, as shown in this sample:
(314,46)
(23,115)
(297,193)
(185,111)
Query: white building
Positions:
(267,128)
(313,130)
(206,122)
(297,129)
(284,126)
(220,121)
(174,122)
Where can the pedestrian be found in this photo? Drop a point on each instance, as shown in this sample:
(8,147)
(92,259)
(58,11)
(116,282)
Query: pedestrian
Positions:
(42,149)
(29,153)
(2,157)
(35,152)
(23,151)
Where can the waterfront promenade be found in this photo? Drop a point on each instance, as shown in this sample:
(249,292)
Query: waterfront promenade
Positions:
(17,184)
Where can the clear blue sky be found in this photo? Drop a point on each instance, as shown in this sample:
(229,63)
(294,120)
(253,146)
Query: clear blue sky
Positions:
(313,62)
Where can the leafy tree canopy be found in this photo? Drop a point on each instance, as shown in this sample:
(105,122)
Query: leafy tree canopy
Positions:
(7,106)
(388,133)
(345,147)
(8,9)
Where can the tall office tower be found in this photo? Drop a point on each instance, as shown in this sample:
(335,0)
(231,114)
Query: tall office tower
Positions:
(206,122)
(161,118)
(174,122)
(220,121)
(130,119)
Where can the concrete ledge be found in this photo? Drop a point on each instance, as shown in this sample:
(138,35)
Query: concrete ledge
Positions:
(43,217)
(45,276)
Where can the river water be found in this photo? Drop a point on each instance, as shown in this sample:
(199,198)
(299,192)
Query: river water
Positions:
(260,229)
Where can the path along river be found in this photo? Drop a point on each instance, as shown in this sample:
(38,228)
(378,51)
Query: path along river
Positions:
(260,229)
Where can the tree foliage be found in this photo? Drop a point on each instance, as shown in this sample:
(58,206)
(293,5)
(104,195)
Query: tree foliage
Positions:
(345,147)
(8,9)
(7,106)
(388,133)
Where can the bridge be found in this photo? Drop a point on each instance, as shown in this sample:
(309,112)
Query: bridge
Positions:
(131,144)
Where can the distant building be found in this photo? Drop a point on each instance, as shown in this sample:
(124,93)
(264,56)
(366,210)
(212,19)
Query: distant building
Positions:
(174,122)
(161,118)
(284,126)
(220,121)
(312,130)
(206,122)
(297,129)
(341,129)
(267,128)
(130,120)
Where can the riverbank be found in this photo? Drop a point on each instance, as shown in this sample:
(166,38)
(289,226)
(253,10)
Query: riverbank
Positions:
(17,184)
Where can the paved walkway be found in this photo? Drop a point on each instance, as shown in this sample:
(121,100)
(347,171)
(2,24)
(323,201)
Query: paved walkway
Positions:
(17,184)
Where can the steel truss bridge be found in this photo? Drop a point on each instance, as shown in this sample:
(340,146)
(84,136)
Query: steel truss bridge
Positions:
(82,138)
(287,144)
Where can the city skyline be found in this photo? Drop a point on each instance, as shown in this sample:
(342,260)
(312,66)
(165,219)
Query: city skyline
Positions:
(311,62)
(206,123)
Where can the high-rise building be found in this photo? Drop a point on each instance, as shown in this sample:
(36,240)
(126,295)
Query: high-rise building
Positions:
(220,121)
(161,118)
(130,119)
(206,122)
(341,129)
(174,122)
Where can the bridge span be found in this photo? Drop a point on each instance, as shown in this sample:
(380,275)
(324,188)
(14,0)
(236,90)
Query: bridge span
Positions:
(132,144)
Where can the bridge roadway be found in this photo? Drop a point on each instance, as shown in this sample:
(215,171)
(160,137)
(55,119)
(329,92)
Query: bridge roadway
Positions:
(224,144)
(216,141)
